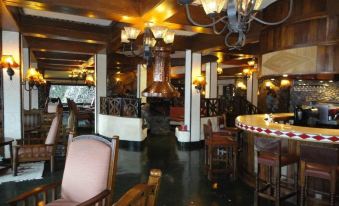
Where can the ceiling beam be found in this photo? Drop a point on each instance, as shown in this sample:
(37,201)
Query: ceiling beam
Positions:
(38,44)
(62,30)
(61,56)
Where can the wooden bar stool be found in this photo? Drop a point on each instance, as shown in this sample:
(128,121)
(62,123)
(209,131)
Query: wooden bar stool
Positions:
(318,162)
(271,155)
(220,153)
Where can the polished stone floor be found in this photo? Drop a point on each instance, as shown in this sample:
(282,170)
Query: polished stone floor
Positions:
(183,182)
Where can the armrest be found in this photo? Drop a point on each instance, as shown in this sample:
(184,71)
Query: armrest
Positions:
(96,198)
(33,192)
(134,194)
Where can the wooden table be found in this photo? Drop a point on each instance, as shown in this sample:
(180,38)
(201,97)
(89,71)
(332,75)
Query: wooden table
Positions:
(3,143)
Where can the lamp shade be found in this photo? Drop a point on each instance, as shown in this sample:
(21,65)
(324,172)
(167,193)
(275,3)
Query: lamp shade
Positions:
(8,61)
(213,6)
(89,79)
(31,74)
(124,37)
(169,37)
(132,33)
(159,32)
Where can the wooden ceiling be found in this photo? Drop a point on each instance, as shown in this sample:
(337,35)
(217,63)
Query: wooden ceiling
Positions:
(65,43)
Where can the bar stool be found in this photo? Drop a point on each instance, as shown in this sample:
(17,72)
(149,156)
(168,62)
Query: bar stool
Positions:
(270,154)
(318,162)
(220,153)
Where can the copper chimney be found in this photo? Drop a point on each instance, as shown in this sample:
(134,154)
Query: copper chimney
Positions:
(161,86)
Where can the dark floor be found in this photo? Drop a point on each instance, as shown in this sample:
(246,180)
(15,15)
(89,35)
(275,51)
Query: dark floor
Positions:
(183,182)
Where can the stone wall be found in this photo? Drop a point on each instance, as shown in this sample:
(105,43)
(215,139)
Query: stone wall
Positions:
(303,92)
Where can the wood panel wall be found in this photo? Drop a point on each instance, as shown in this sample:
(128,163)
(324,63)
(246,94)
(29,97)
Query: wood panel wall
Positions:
(313,22)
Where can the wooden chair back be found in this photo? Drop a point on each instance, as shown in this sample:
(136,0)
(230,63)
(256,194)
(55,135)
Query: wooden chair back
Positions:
(142,194)
(268,145)
(320,155)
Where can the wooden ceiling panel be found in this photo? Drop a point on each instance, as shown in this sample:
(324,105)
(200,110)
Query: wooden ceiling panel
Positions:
(63,30)
(44,44)
(61,56)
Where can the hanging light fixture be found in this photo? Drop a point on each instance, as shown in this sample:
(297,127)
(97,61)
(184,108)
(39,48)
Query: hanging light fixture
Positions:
(151,35)
(219,70)
(236,18)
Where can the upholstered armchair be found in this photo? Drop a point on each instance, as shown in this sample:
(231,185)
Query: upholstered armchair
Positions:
(142,194)
(38,152)
(89,175)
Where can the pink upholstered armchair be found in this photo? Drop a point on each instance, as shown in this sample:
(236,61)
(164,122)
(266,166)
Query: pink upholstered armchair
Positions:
(89,175)
(38,152)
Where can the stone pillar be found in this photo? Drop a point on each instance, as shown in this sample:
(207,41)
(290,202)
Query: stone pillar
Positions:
(211,87)
(100,83)
(12,88)
(252,89)
(142,81)
(192,96)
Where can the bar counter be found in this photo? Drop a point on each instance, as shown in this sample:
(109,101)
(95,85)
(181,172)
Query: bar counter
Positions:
(258,126)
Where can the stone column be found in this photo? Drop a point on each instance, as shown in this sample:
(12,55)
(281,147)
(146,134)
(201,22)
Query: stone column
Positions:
(192,96)
(12,88)
(211,87)
(142,81)
(100,83)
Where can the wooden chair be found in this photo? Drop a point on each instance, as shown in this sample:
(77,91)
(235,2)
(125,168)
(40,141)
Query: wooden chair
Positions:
(38,152)
(89,175)
(271,155)
(219,149)
(77,115)
(142,194)
(320,163)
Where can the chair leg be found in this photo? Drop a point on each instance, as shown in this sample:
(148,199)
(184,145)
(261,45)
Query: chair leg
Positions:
(277,186)
(15,168)
(333,187)
(256,193)
(296,185)
(52,164)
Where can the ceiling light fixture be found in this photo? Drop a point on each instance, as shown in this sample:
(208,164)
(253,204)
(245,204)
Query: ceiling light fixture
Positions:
(236,19)
(151,35)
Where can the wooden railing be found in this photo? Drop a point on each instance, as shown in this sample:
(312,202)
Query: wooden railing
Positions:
(120,106)
(233,107)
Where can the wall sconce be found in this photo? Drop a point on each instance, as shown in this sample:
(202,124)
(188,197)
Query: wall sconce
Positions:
(33,78)
(7,61)
(248,72)
(241,85)
(285,83)
(89,81)
(219,70)
(199,83)
(268,84)
(251,62)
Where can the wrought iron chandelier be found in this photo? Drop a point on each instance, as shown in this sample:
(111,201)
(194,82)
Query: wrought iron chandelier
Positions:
(235,15)
(152,35)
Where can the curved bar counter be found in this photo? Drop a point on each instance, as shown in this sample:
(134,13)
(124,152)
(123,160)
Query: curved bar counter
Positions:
(257,124)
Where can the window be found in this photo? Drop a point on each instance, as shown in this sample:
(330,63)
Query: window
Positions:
(80,94)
